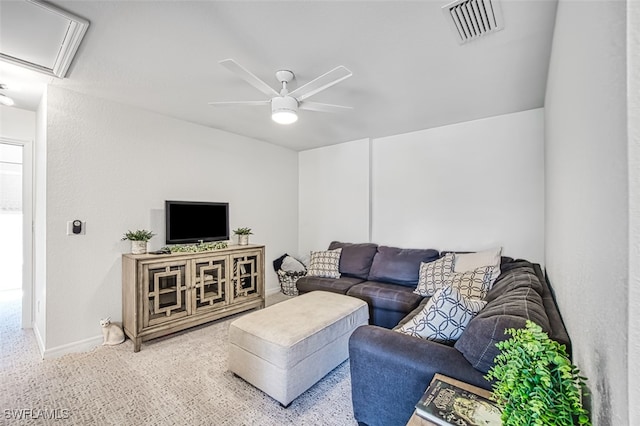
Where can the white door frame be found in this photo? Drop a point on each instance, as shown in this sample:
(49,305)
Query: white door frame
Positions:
(27,228)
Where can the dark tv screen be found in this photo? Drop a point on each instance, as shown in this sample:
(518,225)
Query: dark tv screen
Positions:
(193,221)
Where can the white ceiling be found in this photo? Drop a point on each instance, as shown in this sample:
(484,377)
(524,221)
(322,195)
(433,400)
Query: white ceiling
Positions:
(409,72)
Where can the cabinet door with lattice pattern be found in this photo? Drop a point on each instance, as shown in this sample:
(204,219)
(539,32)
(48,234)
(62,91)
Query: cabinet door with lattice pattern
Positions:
(246,276)
(165,292)
(210,277)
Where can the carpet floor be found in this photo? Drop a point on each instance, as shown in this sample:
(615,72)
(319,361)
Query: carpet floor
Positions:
(180,379)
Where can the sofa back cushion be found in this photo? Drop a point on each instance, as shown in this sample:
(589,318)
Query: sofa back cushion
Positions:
(399,266)
(356,259)
(516,296)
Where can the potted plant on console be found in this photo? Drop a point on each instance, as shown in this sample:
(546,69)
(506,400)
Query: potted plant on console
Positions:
(243,235)
(138,240)
(535,382)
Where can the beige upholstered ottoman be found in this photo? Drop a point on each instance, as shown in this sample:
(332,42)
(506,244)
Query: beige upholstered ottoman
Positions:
(286,348)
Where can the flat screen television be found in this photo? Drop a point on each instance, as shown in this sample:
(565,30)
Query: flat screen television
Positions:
(194,221)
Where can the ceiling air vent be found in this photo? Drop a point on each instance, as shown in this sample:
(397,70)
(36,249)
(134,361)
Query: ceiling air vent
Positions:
(471,19)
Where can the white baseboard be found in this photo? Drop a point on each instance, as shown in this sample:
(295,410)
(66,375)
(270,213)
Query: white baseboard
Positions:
(39,340)
(90,343)
(73,347)
(272,291)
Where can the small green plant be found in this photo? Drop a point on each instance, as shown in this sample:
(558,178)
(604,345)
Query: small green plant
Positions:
(536,383)
(243,231)
(139,235)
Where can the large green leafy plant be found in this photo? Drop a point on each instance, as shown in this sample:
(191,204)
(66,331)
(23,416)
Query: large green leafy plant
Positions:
(535,382)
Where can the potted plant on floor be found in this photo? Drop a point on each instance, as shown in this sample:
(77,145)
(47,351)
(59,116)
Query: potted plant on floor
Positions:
(138,240)
(243,235)
(535,382)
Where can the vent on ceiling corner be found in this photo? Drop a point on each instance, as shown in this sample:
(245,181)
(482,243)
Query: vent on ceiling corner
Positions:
(471,19)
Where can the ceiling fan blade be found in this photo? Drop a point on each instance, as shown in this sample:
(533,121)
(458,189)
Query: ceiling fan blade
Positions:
(249,77)
(325,81)
(240,103)
(316,106)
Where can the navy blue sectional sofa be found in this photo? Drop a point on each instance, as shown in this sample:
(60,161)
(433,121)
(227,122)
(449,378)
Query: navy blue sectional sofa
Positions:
(391,370)
(382,276)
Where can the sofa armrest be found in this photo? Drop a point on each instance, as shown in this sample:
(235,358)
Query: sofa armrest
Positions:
(390,371)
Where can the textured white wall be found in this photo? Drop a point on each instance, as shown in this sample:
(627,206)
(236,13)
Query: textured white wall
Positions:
(334,195)
(113,166)
(587,210)
(633,116)
(467,186)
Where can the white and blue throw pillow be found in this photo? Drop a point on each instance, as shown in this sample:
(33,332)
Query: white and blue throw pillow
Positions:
(438,274)
(444,317)
(433,275)
(473,284)
(325,263)
(464,262)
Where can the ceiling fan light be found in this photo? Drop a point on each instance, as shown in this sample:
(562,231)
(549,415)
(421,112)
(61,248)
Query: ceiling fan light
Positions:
(284,117)
(5,100)
(284,110)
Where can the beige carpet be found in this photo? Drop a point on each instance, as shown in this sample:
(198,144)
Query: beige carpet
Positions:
(176,380)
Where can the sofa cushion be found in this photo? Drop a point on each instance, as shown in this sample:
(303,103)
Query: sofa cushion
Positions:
(340,285)
(514,298)
(399,266)
(444,317)
(386,296)
(356,259)
(516,274)
(432,275)
(325,264)
(413,313)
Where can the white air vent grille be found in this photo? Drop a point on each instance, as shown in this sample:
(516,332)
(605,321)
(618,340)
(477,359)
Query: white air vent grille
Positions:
(471,19)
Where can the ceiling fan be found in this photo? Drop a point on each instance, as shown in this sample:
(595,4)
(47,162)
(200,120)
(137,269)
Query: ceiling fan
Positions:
(285,104)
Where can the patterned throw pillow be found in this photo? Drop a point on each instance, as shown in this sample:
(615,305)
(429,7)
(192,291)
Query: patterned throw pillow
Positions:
(472,284)
(467,261)
(445,316)
(463,262)
(433,275)
(325,264)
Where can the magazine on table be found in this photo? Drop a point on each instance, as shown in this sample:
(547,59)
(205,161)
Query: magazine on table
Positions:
(450,402)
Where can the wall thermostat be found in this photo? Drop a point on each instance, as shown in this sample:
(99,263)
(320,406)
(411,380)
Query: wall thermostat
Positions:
(77,227)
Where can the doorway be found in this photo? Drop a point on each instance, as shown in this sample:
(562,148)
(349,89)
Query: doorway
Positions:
(16,292)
